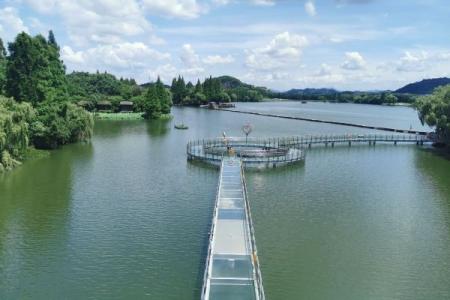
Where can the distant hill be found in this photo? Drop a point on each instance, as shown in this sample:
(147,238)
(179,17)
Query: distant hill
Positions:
(423,87)
(242,91)
(308,91)
(230,82)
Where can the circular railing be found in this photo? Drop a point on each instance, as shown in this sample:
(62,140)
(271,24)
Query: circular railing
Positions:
(254,152)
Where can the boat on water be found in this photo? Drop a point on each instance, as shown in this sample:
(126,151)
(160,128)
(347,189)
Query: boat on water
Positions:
(181,126)
(304,102)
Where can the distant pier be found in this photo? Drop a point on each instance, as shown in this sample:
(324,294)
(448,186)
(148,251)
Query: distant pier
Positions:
(327,122)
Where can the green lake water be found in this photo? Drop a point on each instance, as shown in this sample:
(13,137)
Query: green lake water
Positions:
(127,217)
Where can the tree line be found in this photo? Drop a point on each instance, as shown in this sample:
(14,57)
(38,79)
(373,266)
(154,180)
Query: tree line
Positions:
(377,98)
(213,90)
(88,89)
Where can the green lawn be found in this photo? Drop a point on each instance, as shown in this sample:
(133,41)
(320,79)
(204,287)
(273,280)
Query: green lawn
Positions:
(125,116)
(118,116)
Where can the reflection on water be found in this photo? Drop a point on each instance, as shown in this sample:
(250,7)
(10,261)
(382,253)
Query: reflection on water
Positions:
(158,127)
(127,217)
(35,202)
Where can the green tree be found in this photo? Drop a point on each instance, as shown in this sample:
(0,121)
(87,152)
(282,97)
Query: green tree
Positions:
(388,98)
(152,106)
(198,87)
(2,67)
(52,40)
(178,90)
(434,110)
(34,71)
(15,119)
(59,124)
(163,96)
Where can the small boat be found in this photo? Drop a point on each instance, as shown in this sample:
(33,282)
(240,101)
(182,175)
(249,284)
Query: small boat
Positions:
(304,102)
(181,126)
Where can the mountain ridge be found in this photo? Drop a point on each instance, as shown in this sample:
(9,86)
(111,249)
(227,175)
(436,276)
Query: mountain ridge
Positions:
(423,87)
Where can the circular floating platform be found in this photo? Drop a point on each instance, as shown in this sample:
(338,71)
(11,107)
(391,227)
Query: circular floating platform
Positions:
(254,153)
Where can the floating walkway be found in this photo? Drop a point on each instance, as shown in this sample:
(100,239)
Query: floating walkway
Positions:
(325,121)
(273,152)
(232,268)
(371,139)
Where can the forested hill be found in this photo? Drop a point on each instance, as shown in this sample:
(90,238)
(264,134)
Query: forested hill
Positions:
(294,93)
(217,89)
(423,87)
(232,83)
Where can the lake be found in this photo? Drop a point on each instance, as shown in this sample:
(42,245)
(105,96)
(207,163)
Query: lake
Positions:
(127,217)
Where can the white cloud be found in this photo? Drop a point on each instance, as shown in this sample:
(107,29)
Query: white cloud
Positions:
(263,2)
(37,26)
(191,61)
(410,62)
(186,9)
(221,2)
(156,40)
(423,61)
(217,59)
(310,8)
(119,56)
(354,61)
(165,72)
(188,56)
(71,56)
(105,22)
(10,23)
(192,72)
(324,70)
(283,50)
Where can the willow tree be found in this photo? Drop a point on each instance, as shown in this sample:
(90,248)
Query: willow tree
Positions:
(61,123)
(434,110)
(15,119)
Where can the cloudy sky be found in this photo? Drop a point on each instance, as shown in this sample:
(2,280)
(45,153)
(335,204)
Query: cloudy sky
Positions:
(281,44)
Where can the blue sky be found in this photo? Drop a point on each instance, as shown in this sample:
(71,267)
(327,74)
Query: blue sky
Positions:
(344,44)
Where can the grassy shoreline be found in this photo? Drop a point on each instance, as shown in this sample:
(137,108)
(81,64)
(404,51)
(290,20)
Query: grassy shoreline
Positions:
(125,116)
(118,116)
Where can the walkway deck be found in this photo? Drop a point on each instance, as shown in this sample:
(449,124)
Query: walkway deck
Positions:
(232,268)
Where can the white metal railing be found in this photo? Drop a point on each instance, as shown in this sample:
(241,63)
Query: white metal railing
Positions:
(258,278)
(210,242)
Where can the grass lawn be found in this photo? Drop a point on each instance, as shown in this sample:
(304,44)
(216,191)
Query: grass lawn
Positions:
(118,116)
(125,116)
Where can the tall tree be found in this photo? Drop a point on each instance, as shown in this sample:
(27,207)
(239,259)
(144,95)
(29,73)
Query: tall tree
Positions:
(174,91)
(52,40)
(198,87)
(163,97)
(34,71)
(2,67)
(152,106)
